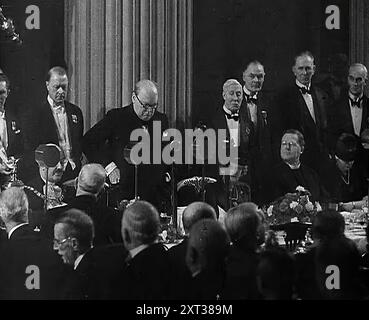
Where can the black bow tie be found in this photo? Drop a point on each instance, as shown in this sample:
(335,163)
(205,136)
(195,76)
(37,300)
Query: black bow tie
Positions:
(251,99)
(234,116)
(305,90)
(356,103)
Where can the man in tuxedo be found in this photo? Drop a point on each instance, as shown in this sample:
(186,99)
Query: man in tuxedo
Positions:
(352,109)
(95,270)
(265,138)
(232,118)
(106,141)
(303,108)
(57,121)
(11,142)
(29,267)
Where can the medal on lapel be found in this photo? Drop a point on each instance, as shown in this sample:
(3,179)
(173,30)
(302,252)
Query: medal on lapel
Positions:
(74,118)
(14,127)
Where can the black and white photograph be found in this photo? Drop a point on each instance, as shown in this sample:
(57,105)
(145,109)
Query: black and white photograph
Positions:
(184,155)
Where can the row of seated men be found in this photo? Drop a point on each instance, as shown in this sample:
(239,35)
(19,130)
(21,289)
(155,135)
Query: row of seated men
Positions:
(215,261)
(254,123)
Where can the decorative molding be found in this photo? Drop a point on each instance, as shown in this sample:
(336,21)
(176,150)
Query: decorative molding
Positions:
(111,44)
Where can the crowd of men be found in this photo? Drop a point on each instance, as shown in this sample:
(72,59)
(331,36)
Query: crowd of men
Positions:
(301,136)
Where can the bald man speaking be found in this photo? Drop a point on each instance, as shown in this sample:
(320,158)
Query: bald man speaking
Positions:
(105,142)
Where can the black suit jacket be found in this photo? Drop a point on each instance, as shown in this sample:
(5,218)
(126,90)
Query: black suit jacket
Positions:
(218,121)
(147,276)
(27,248)
(40,128)
(105,142)
(264,141)
(15,134)
(98,276)
(295,115)
(15,143)
(106,220)
(342,121)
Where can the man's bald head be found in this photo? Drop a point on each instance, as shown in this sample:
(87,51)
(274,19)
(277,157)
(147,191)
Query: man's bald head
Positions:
(91,179)
(195,212)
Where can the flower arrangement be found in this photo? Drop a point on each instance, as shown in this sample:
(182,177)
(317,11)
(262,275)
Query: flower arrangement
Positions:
(292,207)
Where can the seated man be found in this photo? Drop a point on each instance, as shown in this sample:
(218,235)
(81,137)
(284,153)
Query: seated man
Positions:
(106,220)
(177,254)
(145,276)
(36,189)
(244,226)
(207,249)
(29,268)
(343,176)
(291,173)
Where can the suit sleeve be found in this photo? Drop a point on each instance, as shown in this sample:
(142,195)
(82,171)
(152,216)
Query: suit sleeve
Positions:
(95,140)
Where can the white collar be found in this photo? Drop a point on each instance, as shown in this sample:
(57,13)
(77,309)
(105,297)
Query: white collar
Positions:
(248,92)
(300,85)
(51,102)
(15,228)
(78,260)
(229,112)
(355,98)
(135,251)
(294,167)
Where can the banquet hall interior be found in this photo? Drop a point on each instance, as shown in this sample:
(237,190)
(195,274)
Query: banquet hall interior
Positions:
(270,231)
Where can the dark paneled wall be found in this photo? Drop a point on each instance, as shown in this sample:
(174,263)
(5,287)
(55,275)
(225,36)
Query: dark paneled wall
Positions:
(228,33)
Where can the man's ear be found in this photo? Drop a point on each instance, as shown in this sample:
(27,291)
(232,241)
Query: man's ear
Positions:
(126,236)
(75,244)
(132,97)
(47,84)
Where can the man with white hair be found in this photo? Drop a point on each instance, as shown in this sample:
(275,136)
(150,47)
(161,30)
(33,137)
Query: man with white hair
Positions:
(29,268)
(145,275)
(239,128)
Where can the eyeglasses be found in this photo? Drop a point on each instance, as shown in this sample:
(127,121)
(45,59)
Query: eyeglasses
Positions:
(289,144)
(146,106)
(57,243)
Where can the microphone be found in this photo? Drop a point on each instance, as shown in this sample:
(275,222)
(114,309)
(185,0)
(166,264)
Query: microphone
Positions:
(8,26)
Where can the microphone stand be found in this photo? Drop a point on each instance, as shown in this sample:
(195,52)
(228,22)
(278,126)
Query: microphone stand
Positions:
(173,198)
(46,189)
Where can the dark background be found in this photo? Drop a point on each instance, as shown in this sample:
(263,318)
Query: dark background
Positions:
(229,33)
(26,65)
